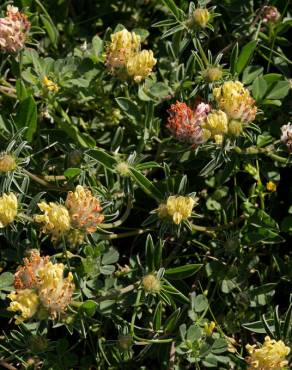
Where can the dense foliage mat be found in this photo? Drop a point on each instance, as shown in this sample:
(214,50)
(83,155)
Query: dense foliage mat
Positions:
(145,184)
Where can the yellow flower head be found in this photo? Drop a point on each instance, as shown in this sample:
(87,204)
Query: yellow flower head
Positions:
(140,65)
(235,100)
(50,85)
(178,208)
(123,45)
(84,209)
(271,356)
(201,17)
(24,301)
(151,284)
(55,220)
(7,163)
(271,186)
(217,124)
(8,209)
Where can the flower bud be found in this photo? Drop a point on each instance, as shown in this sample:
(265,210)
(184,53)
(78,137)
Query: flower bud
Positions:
(122,169)
(125,342)
(271,186)
(270,14)
(151,284)
(234,127)
(7,163)
(201,17)
(212,74)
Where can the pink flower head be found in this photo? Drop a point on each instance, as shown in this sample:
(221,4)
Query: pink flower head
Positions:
(13,30)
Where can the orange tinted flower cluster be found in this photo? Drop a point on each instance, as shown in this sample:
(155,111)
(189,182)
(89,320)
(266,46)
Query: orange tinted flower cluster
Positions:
(40,287)
(185,123)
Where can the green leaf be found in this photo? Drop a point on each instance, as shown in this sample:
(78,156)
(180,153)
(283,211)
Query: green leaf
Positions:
(72,172)
(110,257)
(200,303)
(219,346)
(6,281)
(159,90)
(21,90)
(157,316)
(51,29)
(130,109)
(259,88)
(245,55)
(257,326)
(146,185)
(172,321)
(279,90)
(103,158)
(89,307)
(250,73)
(233,59)
(177,12)
(27,117)
(182,272)
(149,253)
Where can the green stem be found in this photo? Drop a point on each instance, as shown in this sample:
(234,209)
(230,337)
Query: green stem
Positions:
(125,235)
(208,229)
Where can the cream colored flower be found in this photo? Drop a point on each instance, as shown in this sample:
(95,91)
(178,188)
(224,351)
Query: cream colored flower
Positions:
(123,45)
(84,209)
(235,100)
(24,301)
(8,209)
(216,123)
(55,220)
(178,208)
(271,356)
(140,65)
(201,17)
(7,163)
